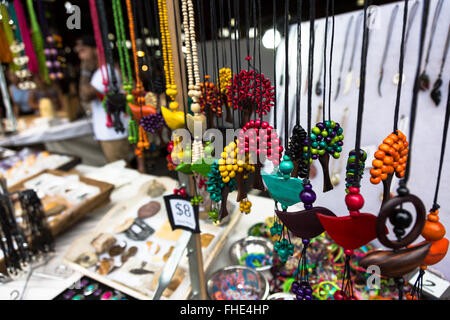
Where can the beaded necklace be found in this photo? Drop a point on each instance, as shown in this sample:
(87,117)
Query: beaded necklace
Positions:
(357,229)
(143,142)
(392,155)
(99,43)
(114,101)
(125,67)
(24,47)
(403,258)
(174,119)
(38,42)
(193,72)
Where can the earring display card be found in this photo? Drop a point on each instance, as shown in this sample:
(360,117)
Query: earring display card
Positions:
(90,289)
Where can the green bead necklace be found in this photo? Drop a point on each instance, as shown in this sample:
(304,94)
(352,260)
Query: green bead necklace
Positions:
(125,67)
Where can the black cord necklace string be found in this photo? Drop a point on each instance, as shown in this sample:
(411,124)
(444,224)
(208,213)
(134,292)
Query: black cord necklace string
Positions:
(437,13)
(400,67)
(286,73)
(324,106)
(247,29)
(444,56)
(253,3)
(441,161)
(331,60)
(222,27)
(113,86)
(299,61)
(362,91)
(312,16)
(237,38)
(231,54)
(201,26)
(259,47)
(412,122)
(141,25)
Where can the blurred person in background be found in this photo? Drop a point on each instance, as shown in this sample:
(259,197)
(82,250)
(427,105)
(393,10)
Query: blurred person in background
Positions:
(115,146)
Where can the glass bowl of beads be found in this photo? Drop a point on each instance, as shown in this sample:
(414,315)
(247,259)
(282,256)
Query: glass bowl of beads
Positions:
(252,252)
(237,283)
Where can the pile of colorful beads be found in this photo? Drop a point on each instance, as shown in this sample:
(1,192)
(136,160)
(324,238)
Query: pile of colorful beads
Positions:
(350,179)
(259,138)
(326,137)
(255,260)
(390,157)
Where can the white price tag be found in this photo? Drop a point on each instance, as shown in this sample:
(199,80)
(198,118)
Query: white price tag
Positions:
(432,284)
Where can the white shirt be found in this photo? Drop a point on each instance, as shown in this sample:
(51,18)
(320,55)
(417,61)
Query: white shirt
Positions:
(101,131)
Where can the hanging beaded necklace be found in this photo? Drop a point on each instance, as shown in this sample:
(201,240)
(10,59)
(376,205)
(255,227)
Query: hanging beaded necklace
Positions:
(433,230)
(114,101)
(24,61)
(38,42)
(99,43)
(392,155)
(403,258)
(193,73)
(174,119)
(125,67)
(357,229)
(139,110)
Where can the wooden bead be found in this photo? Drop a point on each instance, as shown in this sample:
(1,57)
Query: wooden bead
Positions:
(377,163)
(375,180)
(379,155)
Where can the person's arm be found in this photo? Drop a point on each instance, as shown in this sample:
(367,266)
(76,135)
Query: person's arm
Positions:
(87,91)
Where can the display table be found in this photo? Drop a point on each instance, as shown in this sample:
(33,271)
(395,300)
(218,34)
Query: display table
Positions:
(65,137)
(41,134)
(46,288)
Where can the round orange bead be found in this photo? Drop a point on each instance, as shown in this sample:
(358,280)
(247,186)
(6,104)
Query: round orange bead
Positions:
(376,180)
(388,141)
(380,155)
(384,147)
(375,172)
(388,160)
(377,163)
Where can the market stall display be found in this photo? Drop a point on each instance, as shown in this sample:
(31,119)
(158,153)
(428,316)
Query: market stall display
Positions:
(242,143)
(128,249)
